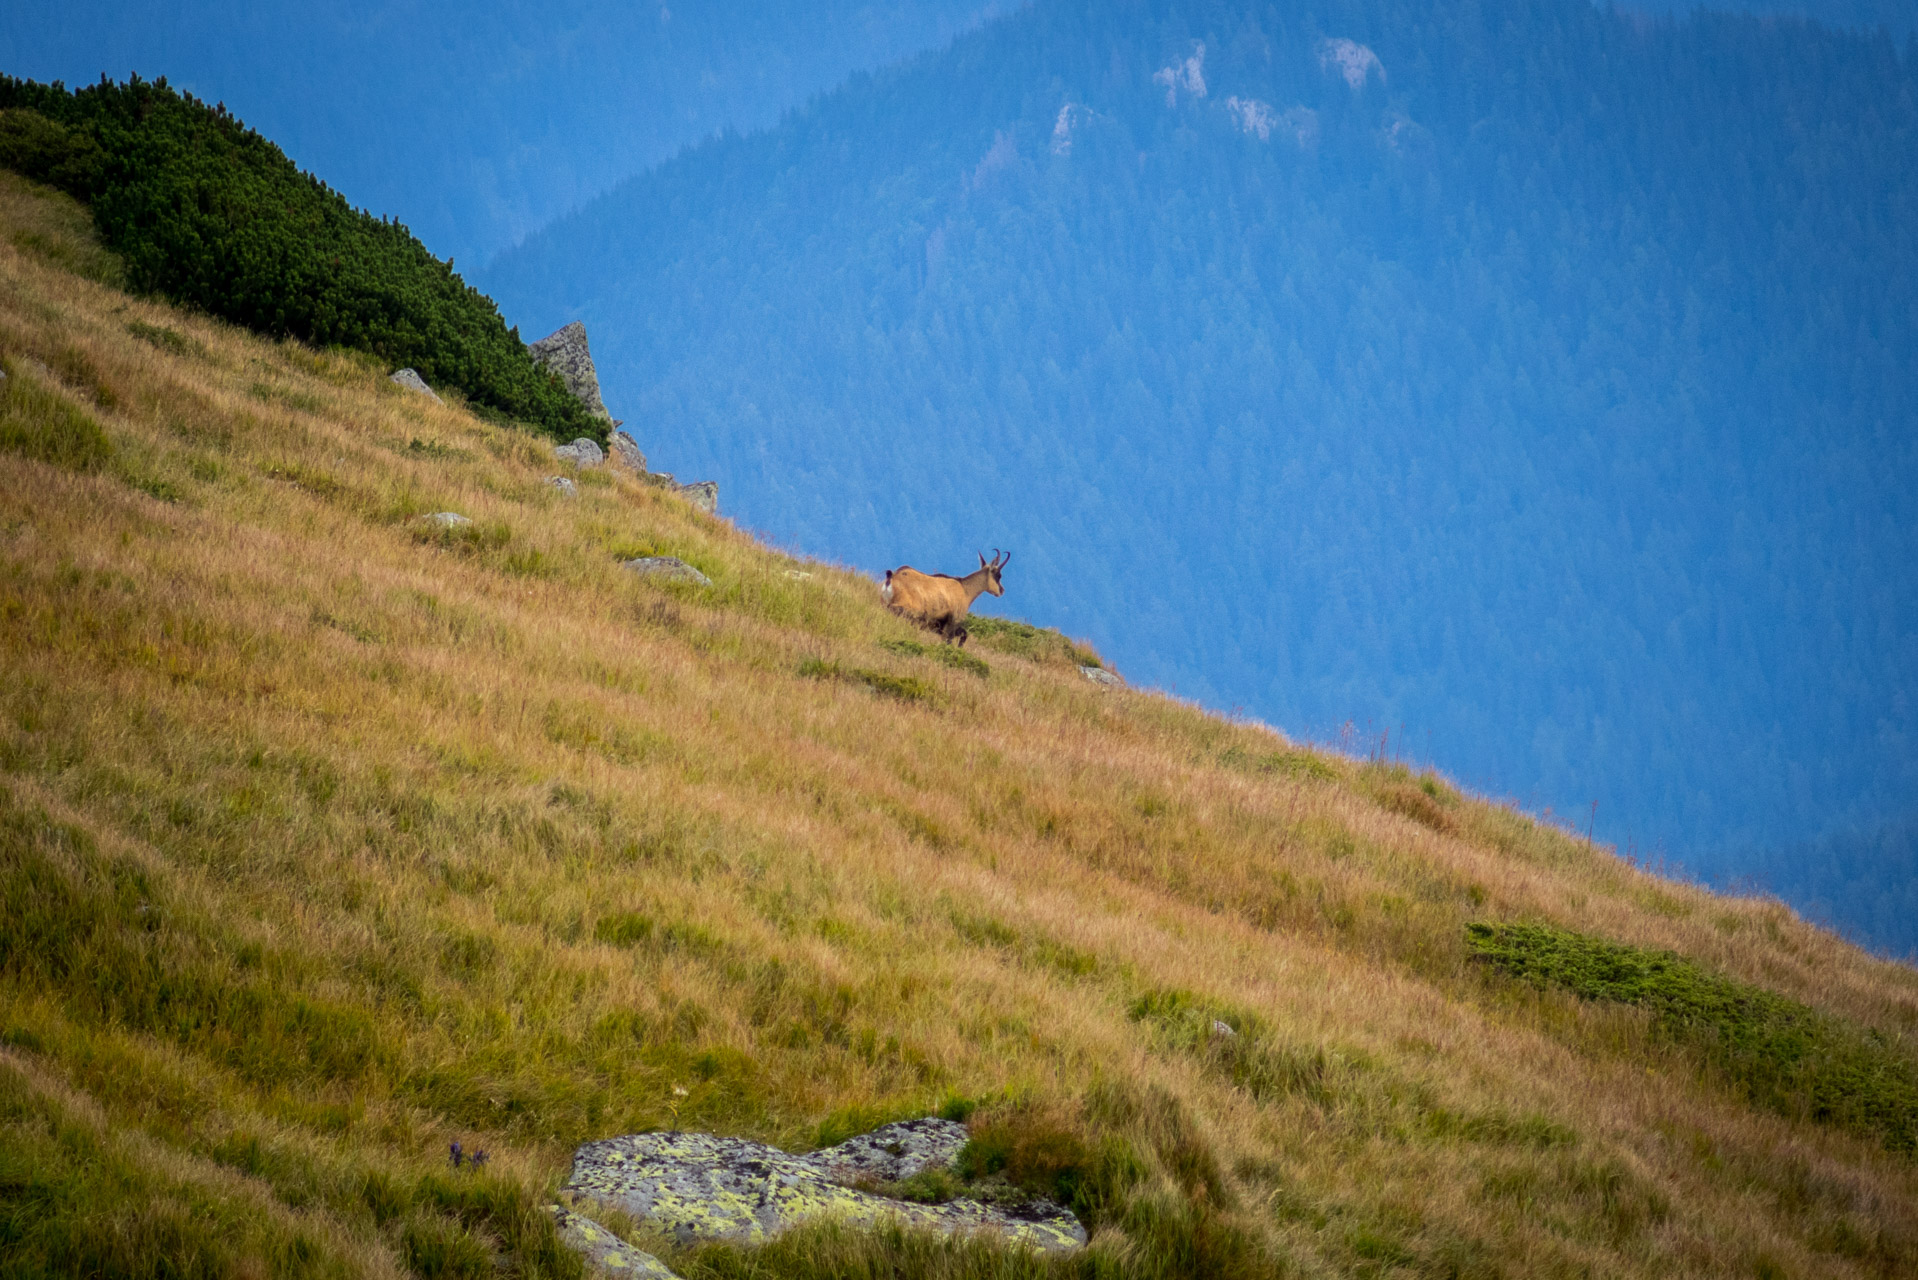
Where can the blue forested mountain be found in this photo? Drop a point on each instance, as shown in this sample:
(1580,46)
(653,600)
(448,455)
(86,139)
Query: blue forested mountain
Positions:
(475,123)
(1900,17)
(1534,377)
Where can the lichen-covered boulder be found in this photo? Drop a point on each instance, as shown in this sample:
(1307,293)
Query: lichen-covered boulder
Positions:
(698,1187)
(565,486)
(671,568)
(582,453)
(1100,676)
(606,1252)
(892,1153)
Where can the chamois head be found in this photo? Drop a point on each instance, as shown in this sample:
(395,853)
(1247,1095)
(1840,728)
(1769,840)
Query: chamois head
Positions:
(992,569)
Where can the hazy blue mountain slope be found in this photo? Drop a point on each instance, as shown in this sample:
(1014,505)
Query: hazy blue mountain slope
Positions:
(1862,882)
(1546,389)
(474,124)
(1900,17)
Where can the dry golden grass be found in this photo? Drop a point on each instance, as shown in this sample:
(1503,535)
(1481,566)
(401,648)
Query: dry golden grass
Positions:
(335,837)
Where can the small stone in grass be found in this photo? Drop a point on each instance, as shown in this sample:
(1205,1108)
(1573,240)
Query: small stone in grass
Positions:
(671,568)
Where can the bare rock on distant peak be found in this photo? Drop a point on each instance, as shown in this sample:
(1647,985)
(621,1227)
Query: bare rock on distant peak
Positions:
(1355,63)
(411,380)
(582,453)
(565,352)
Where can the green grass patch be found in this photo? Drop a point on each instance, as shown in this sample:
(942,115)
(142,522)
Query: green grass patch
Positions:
(1784,1056)
(52,226)
(74,1202)
(39,423)
(105,935)
(1291,764)
(948,655)
(904,688)
(171,341)
(1022,639)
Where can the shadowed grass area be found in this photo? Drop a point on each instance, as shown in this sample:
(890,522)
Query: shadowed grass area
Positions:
(1781,1053)
(329,837)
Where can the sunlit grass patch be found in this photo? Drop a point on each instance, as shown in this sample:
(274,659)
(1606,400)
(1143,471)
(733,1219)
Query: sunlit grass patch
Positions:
(56,229)
(946,655)
(1295,763)
(1022,639)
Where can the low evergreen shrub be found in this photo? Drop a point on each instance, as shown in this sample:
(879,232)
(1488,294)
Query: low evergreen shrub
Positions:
(1785,1056)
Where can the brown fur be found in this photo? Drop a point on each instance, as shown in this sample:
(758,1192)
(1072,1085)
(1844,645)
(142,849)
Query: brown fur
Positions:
(938,601)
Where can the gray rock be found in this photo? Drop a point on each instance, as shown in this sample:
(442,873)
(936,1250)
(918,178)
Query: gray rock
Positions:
(565,486)
(698,1187)
(447,519)
(1100,676)
(604,1251)
(1223,1030)
(412,381)
(671,568)
(582,453)
(565,352)
(625,450)
(892,1153)
(703,494)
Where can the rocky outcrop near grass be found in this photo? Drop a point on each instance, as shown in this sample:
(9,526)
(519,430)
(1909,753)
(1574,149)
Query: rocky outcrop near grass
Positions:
(565,351)
(694,1187)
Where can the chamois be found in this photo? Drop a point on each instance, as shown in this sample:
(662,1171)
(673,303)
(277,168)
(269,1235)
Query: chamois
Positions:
(939,601)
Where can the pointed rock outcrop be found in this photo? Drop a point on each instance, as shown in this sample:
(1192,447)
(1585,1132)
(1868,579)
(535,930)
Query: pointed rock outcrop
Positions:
(411,380)
(565,353)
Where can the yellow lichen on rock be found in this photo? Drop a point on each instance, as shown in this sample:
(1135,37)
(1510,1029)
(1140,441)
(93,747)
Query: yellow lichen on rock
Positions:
(697,1187)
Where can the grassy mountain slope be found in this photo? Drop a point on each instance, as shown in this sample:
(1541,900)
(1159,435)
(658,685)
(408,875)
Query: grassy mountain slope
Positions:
(208,213)
(328,838)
